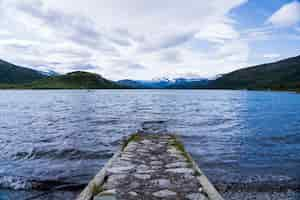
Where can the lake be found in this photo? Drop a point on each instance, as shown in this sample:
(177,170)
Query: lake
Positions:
(245,141)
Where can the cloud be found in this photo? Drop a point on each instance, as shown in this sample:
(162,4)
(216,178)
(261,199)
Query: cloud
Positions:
(258,33)
(271,55)
(166,41)
(287,15)
(218,33)
(85,67)
(171,56)
(78,29)
(128,39)
(189,75)
(136,66)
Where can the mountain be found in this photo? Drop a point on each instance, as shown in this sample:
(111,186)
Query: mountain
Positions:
(189,83)
(13,74)
(15,77)
(281,75)
(49,73)
(147,84)
(132,84)
(73,80)
(165,83)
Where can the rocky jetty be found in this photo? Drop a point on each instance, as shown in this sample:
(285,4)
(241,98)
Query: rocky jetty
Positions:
(150,166)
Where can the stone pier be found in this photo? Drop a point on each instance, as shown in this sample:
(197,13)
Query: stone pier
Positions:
(150,167)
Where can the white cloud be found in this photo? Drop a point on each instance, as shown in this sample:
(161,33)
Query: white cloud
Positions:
(287,15)
(218,33)
(258,33)
(126,39)
(271,55)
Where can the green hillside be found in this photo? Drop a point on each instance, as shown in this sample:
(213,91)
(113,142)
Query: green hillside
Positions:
(12,74)
(73,80)
(281,75)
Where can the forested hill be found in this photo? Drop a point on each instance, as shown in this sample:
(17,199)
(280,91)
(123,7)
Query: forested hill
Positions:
(13,74)
(281,75)
(74,80)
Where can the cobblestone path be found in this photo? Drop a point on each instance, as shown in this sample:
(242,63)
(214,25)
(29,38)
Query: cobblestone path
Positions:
(151,166)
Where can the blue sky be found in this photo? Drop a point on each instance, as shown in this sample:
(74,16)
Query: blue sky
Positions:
(280,40)
(142,39)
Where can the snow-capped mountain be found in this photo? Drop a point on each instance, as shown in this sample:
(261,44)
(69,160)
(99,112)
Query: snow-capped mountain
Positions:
(160,83)
(49,73)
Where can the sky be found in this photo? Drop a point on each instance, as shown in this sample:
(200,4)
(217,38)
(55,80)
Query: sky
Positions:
(148,39)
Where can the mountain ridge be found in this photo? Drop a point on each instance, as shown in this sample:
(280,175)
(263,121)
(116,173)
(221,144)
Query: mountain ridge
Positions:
(280,75)
(164,83)
(13,74)
(74,80)
(17,77)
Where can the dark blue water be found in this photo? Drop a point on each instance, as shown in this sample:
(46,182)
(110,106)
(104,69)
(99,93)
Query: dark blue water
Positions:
(61,138)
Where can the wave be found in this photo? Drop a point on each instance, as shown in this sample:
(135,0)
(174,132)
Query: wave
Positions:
(67,153)
(16,183)
(104,122)
(154,126)
(270,186)
(268,183)
(23,183)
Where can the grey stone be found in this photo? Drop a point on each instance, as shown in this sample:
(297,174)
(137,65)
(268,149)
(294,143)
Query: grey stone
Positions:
(176,165)
(174,151)
(127,156)
(142,150)
(146,141)
(181,170)
(120,170)
(152,148)
(134,185)
(156,163)
(151,169)
(153,158)
(196,196)
(132,193)
(178,156)
(132,146)
(129,153)
(105,197)
(145,171)
(188,177)
(162,183)
(108,192)
(142,176)
(156,167)
(179,159)
(164,193)
(142,167)
(126,159)
(158,146)
(122,163)
(113,181)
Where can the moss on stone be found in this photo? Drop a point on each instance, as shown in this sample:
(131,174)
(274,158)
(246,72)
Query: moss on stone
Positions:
(96,189)
(133,138)
(180,147)
(197,173)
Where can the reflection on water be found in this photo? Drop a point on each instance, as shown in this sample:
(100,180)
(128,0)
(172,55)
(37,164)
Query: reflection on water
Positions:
(235,136)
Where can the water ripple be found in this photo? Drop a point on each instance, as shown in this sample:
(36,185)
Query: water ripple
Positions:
(233,135)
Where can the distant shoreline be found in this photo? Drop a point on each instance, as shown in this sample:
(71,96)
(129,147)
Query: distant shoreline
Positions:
(230,89)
